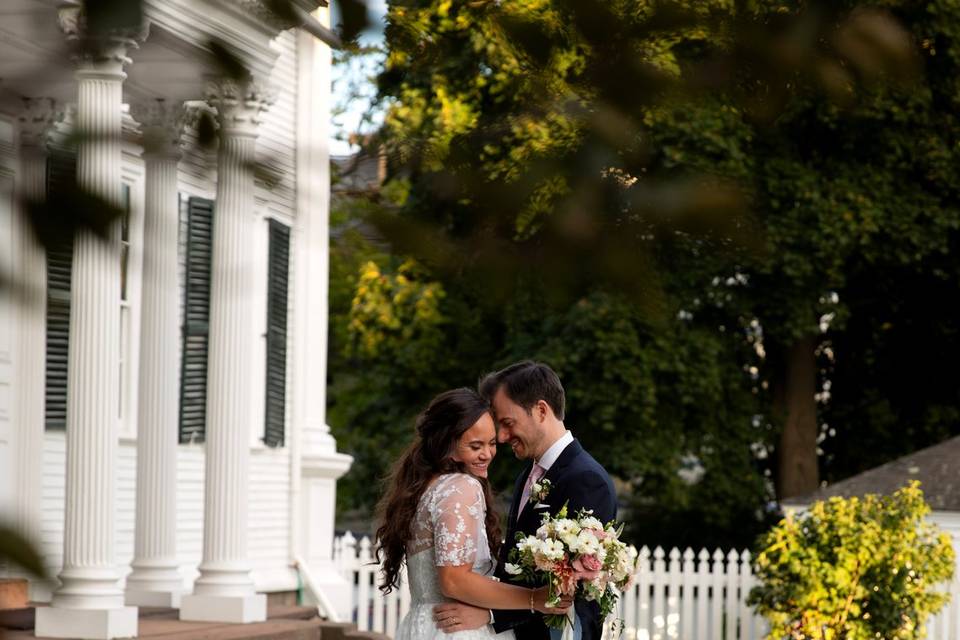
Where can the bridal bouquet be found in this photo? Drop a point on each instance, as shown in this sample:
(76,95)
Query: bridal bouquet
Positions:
(575,556)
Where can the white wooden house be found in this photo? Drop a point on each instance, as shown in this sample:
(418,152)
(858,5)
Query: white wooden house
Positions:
(162,393)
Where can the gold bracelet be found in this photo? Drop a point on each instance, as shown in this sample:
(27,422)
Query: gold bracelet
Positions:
(532,610)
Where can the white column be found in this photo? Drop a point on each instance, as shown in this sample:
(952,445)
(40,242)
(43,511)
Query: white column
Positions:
(38,117)
(224,591)
(315,460)
(156,580)
(89,602)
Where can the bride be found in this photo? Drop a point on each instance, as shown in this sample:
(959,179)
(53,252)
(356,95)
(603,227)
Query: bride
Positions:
(434,516)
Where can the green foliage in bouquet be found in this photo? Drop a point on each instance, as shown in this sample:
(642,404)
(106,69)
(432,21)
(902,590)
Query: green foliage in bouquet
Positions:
(854,569)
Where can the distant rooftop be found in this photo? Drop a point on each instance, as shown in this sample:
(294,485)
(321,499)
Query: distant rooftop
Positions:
(361,172)
(937,468)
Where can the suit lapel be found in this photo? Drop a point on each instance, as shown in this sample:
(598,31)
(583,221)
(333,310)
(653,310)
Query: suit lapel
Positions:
(517,493)
(512,518)
(566,456)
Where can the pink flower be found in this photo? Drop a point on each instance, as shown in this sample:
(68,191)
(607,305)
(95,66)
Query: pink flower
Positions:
(568,581)
(543,564)
(588,563)
(587,567)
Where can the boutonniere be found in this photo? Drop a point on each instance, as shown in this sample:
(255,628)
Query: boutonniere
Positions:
(540,490)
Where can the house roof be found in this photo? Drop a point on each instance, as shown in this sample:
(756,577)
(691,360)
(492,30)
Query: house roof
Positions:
(361,172)
(937,468)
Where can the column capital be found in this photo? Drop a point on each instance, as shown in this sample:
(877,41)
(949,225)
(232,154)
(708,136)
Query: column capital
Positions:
(96,45)
(37,120)
(162,123)
(239,105)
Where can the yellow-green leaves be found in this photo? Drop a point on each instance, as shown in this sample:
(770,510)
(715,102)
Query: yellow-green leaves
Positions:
(450,64)
(389,311)
(854,569)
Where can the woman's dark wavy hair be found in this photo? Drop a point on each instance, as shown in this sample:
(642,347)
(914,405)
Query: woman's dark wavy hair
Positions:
(438,429)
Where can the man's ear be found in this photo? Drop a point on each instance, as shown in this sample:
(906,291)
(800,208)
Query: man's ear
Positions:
(542,408)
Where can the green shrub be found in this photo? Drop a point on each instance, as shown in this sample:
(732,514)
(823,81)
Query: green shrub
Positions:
(854,569)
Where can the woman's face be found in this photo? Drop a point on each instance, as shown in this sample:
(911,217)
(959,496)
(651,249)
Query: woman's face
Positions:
(477,446)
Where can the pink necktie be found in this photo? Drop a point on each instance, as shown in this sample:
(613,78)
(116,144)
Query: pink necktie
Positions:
(535,474)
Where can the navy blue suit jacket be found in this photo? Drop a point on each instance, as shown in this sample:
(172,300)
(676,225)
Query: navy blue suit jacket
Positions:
(578,481)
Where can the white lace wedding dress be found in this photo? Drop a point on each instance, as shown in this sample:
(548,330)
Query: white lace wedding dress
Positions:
(448,530)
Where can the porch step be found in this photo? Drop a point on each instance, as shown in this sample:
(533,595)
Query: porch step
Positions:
(17,618)
(347,631)
(367,635)
(283,623)
(274,612)
(336,630)
(269,630)
(291,612)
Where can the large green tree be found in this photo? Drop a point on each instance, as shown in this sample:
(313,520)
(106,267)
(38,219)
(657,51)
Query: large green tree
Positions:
(684,208)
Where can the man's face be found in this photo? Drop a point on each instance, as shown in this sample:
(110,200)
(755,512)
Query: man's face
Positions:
(517,427)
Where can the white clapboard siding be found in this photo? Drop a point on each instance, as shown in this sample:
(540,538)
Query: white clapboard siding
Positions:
(681,596)
(125,501)
(190,470)
(268,538)
(52,507)
(276,144)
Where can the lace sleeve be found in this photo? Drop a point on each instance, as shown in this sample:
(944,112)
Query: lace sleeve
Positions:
(458,514)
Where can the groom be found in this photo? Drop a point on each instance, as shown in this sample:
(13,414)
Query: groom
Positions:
(528,403)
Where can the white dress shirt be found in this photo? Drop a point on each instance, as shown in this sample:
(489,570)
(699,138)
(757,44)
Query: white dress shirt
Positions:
(550,455)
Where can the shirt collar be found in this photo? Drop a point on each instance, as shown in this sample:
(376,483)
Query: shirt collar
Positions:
(550,455)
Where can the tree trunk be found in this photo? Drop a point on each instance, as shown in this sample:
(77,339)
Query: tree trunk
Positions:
(794,402)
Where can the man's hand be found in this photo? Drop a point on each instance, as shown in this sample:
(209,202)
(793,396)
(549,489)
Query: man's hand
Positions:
(457,616)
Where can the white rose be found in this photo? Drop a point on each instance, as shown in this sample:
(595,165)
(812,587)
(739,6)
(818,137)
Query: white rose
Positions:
(512,569)
(591,523)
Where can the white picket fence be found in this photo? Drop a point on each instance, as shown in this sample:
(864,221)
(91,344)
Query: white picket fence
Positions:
(680,595)
(675,596)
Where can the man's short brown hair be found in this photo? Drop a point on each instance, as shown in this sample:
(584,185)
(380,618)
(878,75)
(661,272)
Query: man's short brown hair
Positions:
(526,383)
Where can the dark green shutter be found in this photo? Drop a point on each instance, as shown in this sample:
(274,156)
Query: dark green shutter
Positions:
(277,281)
(196,319)
(61,176)
(125,244)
